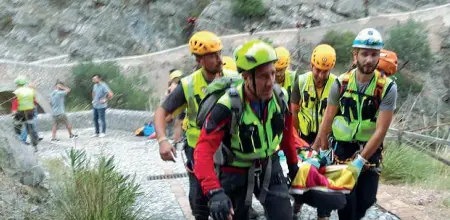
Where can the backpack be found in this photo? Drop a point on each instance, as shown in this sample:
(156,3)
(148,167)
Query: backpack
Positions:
(228,84)
(217,89)
(388,62)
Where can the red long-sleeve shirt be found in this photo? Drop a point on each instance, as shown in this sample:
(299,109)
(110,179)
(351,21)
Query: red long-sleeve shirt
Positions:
(216,128)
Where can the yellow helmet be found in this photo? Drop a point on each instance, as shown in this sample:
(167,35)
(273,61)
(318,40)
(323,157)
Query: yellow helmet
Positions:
(323,57)
(175,74)
(204,42)
(284,58)
(228,63)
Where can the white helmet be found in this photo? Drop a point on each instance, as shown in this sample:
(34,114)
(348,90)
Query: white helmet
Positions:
(368,38)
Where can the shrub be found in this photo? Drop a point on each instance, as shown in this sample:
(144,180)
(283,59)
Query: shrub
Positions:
(130,92)
(248,8)
(342,43)
(406,84)
(97,192)
(410,42)
(403,164)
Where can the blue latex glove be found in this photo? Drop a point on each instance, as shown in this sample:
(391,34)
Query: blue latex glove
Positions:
(358,163)
(281,155)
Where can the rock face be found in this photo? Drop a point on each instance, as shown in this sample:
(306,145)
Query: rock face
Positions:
(218,16)
(38,29)
(18,160)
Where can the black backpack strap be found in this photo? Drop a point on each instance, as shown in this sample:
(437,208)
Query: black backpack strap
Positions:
(281,98)
(235,107)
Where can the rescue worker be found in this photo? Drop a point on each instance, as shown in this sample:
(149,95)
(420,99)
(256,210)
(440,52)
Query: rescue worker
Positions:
(250,144)
(174,79)
(284,77)
(310,92)
(230,68)
(360,108)
(24,108)
(206,48)
(309,101)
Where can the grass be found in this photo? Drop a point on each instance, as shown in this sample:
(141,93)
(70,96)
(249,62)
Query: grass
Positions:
(55,167)
(405,165)
(95,191)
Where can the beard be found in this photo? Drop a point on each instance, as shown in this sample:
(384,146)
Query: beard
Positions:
(279,78)
(366,70)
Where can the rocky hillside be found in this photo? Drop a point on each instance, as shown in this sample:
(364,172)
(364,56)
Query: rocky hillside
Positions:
(38,29)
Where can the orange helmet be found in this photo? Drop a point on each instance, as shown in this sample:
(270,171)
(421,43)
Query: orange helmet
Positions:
(204,42)
(323,57)
(284,58)
(387,62)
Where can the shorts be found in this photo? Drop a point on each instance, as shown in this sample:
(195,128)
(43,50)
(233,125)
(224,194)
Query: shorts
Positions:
(60,119)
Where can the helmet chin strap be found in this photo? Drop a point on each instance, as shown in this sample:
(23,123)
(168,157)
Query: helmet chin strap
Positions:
(261,110)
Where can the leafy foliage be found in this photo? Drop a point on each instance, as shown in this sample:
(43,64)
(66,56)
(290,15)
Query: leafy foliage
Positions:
(342,43)
(130,92)
(248,8)
(410,42)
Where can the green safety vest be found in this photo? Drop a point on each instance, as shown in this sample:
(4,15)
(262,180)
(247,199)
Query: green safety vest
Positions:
(289,79)
(194,87)
(254,139)
(227,72)
(25,98)
(358,113)
(312,109)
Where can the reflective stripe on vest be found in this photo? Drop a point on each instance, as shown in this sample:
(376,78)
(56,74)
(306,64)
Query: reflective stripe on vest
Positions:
(25,98)
(194,87)
(249,142)
(312,109)
(356,119)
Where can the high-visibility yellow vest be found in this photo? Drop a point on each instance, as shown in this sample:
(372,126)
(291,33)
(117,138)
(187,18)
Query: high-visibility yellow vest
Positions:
(25,98)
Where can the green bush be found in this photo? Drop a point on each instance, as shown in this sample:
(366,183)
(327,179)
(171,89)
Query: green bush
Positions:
(405,84)
(403,164)
(130,92)
(248,8)
(410,42)
(97,192)
(342,43)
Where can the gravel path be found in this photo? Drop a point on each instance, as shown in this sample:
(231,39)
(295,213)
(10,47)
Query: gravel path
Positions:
(162,199)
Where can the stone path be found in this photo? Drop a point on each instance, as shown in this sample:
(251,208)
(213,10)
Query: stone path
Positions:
(401,209)
(162,199)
